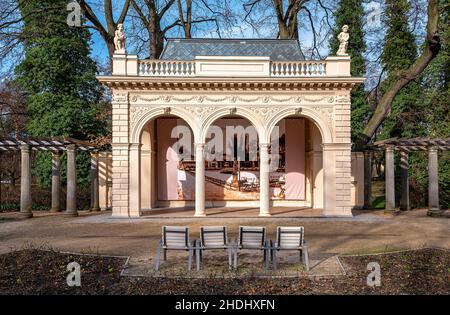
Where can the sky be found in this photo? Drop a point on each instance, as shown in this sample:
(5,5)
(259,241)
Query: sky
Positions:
(264,26)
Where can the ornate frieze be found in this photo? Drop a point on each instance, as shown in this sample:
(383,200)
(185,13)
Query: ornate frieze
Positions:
(238,99)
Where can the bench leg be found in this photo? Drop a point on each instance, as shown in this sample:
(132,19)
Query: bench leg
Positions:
(198,256)
(158,254)
(165,254)
(235,256)
(230,261)
(271,252)
(305,257)
(266,256)
(190,259)
(274,259)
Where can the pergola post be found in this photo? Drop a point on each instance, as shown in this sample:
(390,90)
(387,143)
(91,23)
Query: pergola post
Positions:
(56,181)
(404,181)
(200,180)
(367,180)
(390,179)
(71,208)
(433,182)
(264,180)
(95,205)
(25,182)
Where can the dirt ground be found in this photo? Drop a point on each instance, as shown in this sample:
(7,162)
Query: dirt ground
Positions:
(44,272)
(366,232)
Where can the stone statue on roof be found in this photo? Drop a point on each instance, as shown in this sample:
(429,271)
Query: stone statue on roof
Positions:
(343,37)
(119,39)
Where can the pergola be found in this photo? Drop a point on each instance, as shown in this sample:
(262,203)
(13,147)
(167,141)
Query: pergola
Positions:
(56,146)
(404,146)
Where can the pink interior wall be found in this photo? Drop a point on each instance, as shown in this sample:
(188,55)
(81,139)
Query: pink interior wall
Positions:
(174,184)
(295,159)
(170,181)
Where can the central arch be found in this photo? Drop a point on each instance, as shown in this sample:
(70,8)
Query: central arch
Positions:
(224,112)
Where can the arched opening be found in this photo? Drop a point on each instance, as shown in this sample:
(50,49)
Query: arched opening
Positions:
(231,162)
(296,167)
(167,164)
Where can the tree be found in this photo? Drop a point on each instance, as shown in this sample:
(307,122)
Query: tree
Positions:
(291,17)
(351,12)
(430,50)
(159,18)
(399,53)
(58,79)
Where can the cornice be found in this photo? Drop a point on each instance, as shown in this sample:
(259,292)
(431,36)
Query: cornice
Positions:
(229,84)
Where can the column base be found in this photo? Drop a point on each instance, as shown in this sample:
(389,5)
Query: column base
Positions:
(265,215)
(55,210)
(94,209)
(200,215)
(25,215)
(392,211)
(71,213)
(434,212)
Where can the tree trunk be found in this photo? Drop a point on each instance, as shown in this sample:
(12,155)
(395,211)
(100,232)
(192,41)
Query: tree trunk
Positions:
(432,48)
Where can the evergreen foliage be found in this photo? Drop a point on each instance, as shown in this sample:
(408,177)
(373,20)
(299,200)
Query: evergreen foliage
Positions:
(351,13)
(58,77)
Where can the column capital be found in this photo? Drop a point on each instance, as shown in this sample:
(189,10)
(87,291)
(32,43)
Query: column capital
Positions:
(433,149)
(25,147)
(56,154)
(135,146)
(199,146)
(390,149)
(71,147)
(95,154)
(264,146)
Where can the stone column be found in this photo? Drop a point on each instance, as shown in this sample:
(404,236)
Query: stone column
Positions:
(135,179)
(404,181)
(200,180)
(25,182)
(71,207)
(390,179)
(433,182)
(367,180)
(264,180)
(95,202)
(56,182)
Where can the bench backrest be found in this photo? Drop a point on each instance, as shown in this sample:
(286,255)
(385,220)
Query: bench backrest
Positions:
(290,237)
(175,236)
(214,236)
(252,236)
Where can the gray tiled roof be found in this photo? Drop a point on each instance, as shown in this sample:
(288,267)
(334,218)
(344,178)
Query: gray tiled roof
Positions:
(188,49)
